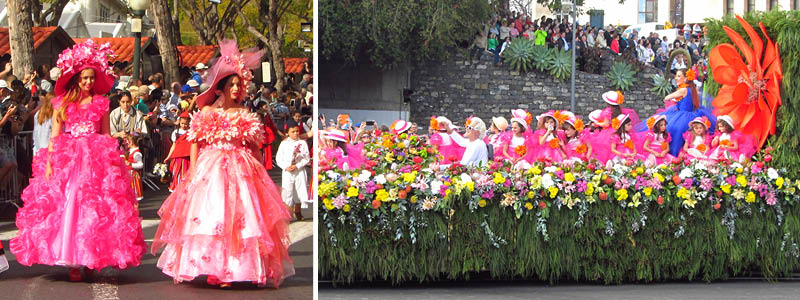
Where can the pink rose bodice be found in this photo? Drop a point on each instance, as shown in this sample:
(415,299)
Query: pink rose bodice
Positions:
(226,130)
(83,119)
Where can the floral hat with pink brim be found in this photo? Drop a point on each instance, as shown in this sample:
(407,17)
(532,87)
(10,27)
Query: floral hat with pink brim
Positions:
(230,62)
(86,55)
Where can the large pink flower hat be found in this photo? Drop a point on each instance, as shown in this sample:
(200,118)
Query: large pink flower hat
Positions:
(83,56)
(230,62)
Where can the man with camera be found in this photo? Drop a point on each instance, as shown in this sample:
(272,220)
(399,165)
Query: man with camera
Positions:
(9,126)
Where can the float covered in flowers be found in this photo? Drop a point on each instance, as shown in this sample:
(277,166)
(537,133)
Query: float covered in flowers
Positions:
(404,218)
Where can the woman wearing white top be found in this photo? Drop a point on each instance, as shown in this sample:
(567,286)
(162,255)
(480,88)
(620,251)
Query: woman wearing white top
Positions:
(42,124)
(476,153)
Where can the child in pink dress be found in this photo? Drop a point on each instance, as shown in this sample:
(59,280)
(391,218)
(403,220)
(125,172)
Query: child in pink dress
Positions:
(576,144)
(79,208)
(550,145)
(698,142)
(656,142)
(448,149)
(623,144)
(517,145)
(497,132)
(614,100)
(730,144)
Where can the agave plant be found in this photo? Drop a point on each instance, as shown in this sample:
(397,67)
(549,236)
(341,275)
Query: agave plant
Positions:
(561,67)
(621,76)
(662,85)
(542,58)
(520,55)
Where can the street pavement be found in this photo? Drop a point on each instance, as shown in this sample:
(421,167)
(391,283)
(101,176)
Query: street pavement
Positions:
(733,289)
(146,281)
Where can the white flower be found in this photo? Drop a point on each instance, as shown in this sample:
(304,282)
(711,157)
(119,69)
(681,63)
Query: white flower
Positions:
(772,174)
(332,175)
(685,173)
(364,176)
(436,186)
(465,178)
(380,179)
(551,169)
(547,181)
(391,177)
(736,165)
(700,166)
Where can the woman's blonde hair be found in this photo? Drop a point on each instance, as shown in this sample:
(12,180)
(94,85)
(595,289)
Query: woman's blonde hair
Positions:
(73,95)
(46,112)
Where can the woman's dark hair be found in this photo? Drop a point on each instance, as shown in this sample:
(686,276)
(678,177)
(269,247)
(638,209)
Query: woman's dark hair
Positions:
(340,144)
(616,110)
(221,83)
(622,126)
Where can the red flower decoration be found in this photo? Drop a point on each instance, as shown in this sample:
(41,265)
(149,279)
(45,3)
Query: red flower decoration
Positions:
(750,94)
(521,150)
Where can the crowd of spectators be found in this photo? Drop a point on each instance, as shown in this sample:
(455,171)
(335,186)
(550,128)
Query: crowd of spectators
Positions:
(652,50)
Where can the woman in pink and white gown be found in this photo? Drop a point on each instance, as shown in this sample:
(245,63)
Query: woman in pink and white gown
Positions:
(227,219)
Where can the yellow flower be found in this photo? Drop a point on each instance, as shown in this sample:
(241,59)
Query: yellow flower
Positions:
(528,205)
(482,203)
(726,188)
(738,194)
(326,202)
(352,192)
(569,177)
(409,177)
(471,186)
(346,208)
(413,199)
(536,182)
(536,170)
(779,182)
(389,157)
(382,195)
(531,194)
(640,170)
(400,145)
(589,189)
(751,197)
(394,206)
(622,194)
(739,170)
(683,193)
(553,191)
(598,171)
(659,177)
(689,202)
(741,180)
(498,178)
(648,191)
(447,192)
(393,194)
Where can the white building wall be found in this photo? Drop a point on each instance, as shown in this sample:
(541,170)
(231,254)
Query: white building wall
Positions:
(697,11)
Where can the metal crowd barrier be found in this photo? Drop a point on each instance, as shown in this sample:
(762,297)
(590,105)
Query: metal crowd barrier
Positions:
(20,147)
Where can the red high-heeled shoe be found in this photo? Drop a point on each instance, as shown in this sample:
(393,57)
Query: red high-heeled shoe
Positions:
(74,274)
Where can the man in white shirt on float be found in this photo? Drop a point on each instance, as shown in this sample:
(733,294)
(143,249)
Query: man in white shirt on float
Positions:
(475,153)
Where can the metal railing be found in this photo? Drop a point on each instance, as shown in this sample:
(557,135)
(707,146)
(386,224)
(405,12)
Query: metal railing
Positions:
(20,148)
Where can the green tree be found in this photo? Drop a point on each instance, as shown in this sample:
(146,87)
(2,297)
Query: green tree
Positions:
(388,33)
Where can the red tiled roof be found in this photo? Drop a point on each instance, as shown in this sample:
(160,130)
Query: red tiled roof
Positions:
(122,46)
(293,65)
(191,55)
(40,34)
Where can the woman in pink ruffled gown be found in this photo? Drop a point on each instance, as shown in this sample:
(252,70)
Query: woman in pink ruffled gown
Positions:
(227,219)
(79,207)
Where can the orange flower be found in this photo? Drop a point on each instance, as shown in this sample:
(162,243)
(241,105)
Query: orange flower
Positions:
(581,149)
(702,148)
(664,146)
(691,75)
(615,124)
(466,124)
(560,117)
(579,125)
(553,143)
(620,98)
(683,86)
(387,143)
(750,93)
(726,143)
(629,144)
(651,121)
(528,118)
(434,124)
(521,150)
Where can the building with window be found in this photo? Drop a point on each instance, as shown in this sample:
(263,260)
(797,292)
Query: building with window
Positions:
(92,18)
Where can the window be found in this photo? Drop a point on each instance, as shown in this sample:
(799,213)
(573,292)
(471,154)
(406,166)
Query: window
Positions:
(105,13)
(729,7)
(773,4)
(647,11)
(751,6)
(676,8)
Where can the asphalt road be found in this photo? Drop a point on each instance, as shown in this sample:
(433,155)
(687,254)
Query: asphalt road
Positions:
(146,281)
(734,289)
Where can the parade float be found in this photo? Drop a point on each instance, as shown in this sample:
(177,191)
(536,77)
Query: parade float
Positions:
(403,217)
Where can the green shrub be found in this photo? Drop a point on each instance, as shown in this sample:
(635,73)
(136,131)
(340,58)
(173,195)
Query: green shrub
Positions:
(621,76)
(520,55)
(561,67)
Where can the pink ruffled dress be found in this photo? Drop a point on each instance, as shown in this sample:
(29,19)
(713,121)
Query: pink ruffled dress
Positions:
(448,149)
(84,215)
(608,115)
(513,142)
(601,148)
(578,148)
(496,141)
(546,152)
(626,144)
(335,156)
(746,146)
(228,219)
(699,147)
(658,143)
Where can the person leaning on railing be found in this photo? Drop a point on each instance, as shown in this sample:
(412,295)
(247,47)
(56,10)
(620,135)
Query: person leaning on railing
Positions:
(9,126)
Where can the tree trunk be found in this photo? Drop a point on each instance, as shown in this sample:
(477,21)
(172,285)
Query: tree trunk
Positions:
(166,44)
(20,31)
(40,14)
(176,22)
(275,43)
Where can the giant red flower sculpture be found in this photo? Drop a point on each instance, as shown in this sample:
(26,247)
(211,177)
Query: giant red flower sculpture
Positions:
(750,94)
